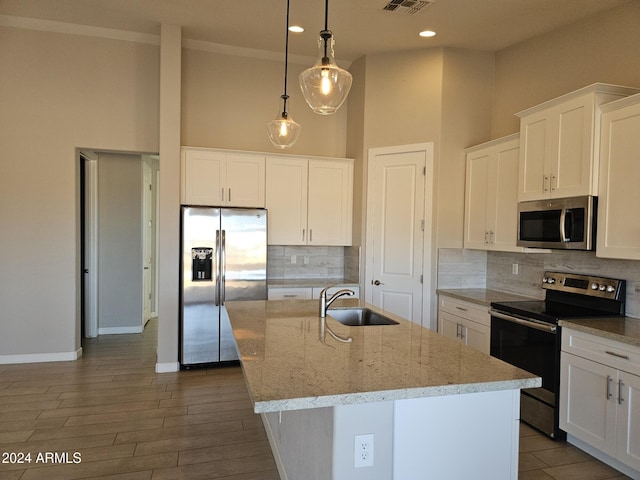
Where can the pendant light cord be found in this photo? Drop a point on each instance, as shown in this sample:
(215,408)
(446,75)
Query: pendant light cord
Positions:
(326,34)
(286,64)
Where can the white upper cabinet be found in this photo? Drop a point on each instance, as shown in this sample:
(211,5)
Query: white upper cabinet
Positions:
(559,147)
(220,178)
(618,223)
(491,200)
(310,201)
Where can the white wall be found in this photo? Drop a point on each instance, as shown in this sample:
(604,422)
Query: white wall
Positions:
(119,243)
(59,92)
(603,48)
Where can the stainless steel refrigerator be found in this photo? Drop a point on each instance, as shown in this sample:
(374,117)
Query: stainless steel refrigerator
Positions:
(224,257)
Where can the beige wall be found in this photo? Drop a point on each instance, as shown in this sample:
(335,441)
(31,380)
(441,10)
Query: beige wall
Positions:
(228,100)
(59,92)
(603,49)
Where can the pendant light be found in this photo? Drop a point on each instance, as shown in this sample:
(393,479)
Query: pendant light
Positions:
(283,130)
(325,86)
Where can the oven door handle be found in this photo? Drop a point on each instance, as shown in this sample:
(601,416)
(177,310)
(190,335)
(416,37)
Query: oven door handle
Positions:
(527,322)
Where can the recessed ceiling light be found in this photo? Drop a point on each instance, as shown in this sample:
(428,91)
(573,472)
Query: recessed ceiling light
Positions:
(427,33)
(296,29)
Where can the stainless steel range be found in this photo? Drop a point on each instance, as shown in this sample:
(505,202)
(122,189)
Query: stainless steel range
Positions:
(526,334)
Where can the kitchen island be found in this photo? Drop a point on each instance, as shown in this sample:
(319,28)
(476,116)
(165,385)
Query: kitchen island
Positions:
(429,403)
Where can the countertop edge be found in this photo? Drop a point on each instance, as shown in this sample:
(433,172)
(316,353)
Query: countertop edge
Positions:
(270,406)
(482,296)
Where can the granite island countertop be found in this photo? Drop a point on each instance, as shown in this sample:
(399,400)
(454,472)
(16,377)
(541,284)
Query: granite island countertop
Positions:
(288,366)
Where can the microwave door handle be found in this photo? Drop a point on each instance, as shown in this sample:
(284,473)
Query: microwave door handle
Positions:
(563,216)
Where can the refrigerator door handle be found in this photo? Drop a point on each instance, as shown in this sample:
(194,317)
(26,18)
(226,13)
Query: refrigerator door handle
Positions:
(217,286)
(223,266)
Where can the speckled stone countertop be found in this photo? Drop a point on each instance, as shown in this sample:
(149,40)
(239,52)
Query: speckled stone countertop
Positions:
(481,296)
(289,366)
(621,329)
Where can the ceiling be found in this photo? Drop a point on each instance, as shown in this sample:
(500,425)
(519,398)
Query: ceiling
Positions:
(360,27)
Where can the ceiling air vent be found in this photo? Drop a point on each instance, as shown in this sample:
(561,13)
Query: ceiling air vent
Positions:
(406,7)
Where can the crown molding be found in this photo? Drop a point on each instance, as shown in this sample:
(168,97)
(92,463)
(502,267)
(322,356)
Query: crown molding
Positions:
(149,39)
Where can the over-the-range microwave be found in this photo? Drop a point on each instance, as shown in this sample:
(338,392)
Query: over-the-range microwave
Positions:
(561,223)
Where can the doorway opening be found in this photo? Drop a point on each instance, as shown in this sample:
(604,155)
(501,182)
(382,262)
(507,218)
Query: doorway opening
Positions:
(118,241)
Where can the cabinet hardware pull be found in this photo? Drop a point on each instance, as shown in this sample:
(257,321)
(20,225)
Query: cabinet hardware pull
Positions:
(619,355)
(222,194)
(461,308)
(553,177)
(544,182)
(486,236)
(492,236)
(311,234)
(303,234)
(620,399)
(609,394)
(229,195)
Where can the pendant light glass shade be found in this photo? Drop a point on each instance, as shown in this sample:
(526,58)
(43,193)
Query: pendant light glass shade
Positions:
(325,86)
(283,130)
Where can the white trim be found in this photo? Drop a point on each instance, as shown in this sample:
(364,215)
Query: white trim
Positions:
(41,357)
(273,443)
(167,367)
(77,29)
(119,330)
(91,248)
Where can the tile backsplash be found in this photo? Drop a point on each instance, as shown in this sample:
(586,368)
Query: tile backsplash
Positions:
(458,268)
(301,262)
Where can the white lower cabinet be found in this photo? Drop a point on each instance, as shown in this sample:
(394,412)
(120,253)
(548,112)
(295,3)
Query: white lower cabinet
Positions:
(468,322)
(305,293)
(289,293)
(600,395)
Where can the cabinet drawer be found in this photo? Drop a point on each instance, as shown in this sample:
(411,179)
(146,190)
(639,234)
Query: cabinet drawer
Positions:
(468,310)
(602,350)
(290,293)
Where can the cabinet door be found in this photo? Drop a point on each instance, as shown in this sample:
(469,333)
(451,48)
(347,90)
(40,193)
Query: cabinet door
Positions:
(449,325)
(290,293)
(587,401)
(502,209)
(476,233)
(534,157)
(619,228)
(476,336)
(203,177)
(628,442)
(571,166)
(330,202)
(286,201)
(245,181)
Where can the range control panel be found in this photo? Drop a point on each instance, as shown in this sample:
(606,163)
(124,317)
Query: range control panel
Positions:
(609,288)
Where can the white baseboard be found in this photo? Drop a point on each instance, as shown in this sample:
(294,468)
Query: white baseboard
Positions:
(167,367)
(41,357)
(120,330)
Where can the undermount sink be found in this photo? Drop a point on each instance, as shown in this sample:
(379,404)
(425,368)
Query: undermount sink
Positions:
(359,317)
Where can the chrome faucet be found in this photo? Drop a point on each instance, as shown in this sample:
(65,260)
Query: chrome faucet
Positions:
(324,302)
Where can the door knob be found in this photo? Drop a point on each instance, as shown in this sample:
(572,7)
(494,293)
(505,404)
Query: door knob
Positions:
(376,282)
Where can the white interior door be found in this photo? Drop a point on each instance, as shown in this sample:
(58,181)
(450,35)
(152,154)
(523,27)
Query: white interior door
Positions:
(395,226)
(90,274)
(147,238)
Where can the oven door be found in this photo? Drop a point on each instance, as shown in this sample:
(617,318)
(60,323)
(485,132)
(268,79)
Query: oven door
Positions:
(532,346)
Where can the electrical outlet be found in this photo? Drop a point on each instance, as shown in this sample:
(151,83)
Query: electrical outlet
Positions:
(306,259)
(363,451)
(514,268)
(293,259)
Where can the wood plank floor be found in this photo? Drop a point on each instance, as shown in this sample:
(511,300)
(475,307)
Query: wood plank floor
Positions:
(128,423)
